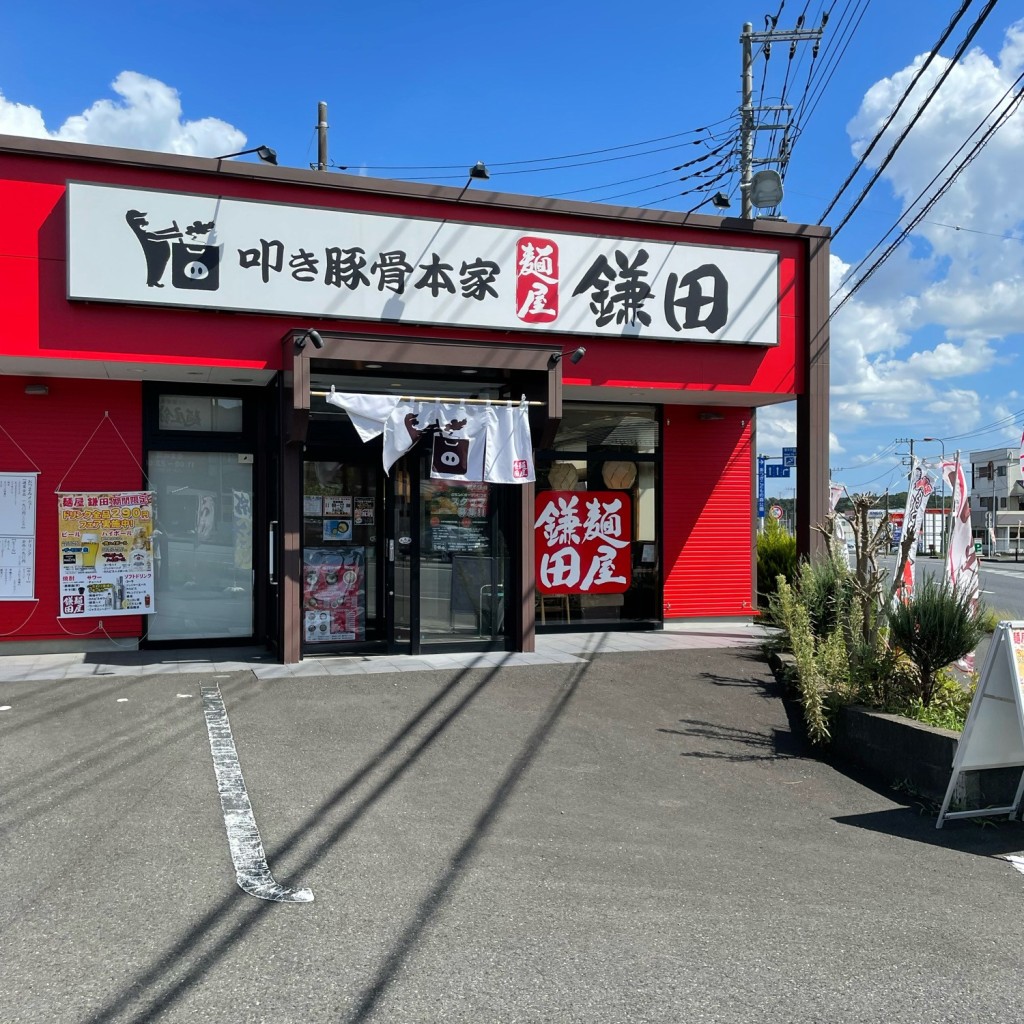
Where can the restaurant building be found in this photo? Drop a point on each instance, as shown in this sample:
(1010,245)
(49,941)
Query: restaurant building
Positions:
(247,404)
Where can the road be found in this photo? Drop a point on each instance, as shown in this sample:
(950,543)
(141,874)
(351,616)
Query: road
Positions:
(635,837)
(1002,583)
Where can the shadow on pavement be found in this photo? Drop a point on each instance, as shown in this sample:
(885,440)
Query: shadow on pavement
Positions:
(162,984)
(990,837)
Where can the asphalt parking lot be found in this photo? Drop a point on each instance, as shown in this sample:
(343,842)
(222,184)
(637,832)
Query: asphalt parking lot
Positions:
(635,836)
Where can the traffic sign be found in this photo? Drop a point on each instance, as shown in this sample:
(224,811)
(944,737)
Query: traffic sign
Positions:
(773,469)
(775,511)
(789,456)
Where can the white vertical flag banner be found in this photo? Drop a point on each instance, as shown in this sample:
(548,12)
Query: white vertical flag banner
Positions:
(961,560)
(835,492)
(920,489)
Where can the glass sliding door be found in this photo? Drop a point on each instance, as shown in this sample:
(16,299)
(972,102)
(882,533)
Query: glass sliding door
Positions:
(464,562)
(343,585)
(399,561)
(203,543)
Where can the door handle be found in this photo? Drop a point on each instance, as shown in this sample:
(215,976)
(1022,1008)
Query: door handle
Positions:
(271,548)
(391,550)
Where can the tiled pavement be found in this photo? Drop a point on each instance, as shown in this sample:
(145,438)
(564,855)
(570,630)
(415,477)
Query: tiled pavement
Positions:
(551,648)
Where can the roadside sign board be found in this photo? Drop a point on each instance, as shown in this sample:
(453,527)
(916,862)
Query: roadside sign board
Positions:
(775,511)
(760,487)
(993,735)
(775,470)
(789,456)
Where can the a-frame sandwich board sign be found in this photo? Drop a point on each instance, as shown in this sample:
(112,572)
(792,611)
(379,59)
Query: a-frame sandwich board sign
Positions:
(993,735)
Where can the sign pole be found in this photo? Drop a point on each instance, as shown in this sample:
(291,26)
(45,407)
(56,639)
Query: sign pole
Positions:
(760,492)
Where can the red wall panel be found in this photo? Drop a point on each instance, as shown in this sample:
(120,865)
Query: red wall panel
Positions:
(82,436)
(708,500)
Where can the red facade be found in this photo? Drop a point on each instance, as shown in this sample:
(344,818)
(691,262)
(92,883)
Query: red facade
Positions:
(706,512)
(95,443)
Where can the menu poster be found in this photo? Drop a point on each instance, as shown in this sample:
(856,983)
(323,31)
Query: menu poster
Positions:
(363,511)
(338,507)
(312,505)
(106,553)
(334,594)
(337,529)
(17,536)
(458,516)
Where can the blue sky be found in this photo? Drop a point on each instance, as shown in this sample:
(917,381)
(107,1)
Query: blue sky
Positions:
(928,346)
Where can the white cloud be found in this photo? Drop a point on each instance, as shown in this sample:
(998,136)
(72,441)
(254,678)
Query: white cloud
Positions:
(148,116)
(949,360)
(19,119)
(960,276)
(978,275)
(776,427)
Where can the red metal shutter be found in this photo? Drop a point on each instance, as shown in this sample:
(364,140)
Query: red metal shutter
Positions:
(709,545)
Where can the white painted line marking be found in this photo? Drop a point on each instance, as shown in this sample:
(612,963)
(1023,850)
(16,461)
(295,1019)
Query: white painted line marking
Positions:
(184,694)
(247,853)
(122,700)
(1017,861)
(5,707)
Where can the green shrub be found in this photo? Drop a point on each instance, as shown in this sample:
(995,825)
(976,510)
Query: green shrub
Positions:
(935,628)
(825,587)
(812,614)
(776,556)
(950,703)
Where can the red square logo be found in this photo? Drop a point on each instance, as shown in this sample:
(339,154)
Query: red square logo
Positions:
(536,280)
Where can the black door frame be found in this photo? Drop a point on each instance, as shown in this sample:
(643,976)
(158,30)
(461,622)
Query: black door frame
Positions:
(257,437)
(532,370)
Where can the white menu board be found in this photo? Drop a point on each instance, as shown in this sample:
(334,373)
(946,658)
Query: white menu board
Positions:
(17,536)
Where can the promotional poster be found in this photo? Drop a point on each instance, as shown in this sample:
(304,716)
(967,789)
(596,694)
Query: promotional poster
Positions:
(106,553)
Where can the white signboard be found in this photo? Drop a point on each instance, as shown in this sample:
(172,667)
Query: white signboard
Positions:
(178,249)
(993,735)
(17,536)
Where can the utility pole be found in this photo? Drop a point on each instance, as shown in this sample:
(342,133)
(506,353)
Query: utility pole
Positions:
(910,441)
(321,136)
(746,124)
(748,110)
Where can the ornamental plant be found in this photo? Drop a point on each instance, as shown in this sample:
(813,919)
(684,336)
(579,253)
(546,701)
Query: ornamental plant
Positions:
(936,627)
(776,556)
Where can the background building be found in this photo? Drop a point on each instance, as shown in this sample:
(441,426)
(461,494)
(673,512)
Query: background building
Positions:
(997,500)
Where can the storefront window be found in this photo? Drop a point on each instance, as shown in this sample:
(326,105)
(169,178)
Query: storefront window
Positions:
(596,518)
(204,413)
(203,545)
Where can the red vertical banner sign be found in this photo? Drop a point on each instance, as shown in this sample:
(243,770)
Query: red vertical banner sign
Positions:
(583,542)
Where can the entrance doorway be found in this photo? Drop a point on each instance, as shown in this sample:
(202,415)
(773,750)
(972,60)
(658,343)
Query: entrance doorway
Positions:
(398,562)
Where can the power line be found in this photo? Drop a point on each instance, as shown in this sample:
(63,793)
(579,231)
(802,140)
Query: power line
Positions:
(555,167)
(830,61)
(896,109)
(978,147)
(844,31)
(551,159)
(973,31)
